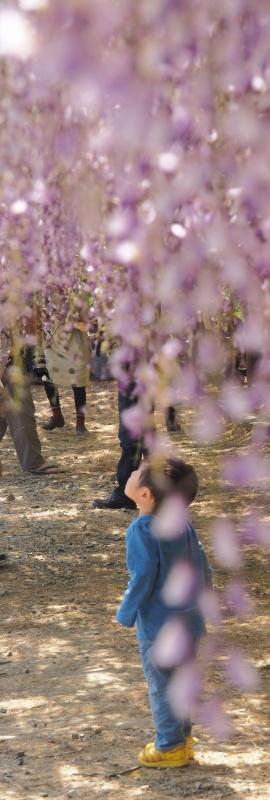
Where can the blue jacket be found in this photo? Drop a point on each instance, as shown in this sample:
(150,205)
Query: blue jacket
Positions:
(149,561)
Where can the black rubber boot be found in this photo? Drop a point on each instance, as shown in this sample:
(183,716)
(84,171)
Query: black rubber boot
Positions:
(81,430)
(56,421)
(115,502)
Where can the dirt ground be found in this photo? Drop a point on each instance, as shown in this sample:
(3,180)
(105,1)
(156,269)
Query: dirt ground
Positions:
(74,709)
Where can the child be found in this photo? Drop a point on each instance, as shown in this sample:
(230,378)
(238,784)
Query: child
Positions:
(149,561)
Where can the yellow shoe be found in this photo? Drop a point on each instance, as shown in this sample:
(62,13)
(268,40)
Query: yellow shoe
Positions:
(191,740)
(177,757)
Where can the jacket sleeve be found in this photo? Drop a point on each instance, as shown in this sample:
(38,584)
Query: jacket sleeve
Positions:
(143,565)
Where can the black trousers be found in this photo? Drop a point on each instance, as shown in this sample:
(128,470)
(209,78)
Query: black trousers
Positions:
(132,449)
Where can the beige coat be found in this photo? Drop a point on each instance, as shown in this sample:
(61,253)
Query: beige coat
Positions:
(68,358)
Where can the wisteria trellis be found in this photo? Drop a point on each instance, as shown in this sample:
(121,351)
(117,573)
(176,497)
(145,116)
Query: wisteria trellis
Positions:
(135,168)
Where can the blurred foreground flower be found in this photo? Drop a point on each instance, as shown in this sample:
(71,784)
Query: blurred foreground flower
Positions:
(213,717)
(136,135)
(225,544)
(237,600)
(172,645)
(240,672)
(245,470)
(184,690)
(17,37)
(256,530)
(208,423)
(134,419)
(180,585)
(170,518)
(209,605)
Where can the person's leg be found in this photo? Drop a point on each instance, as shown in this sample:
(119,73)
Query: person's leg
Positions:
(129,461)
(132,450)
(20,417)
(131,455)
(57,419)
(170,731)
(171,420)
(52,394)
(28,360)
(19,413)
(253,362)
(80,404)
(3,402)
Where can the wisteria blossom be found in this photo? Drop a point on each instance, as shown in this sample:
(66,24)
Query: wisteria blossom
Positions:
(135,170)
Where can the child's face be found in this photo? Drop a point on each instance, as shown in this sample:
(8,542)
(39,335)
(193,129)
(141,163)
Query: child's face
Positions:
(141,495)
(132,489)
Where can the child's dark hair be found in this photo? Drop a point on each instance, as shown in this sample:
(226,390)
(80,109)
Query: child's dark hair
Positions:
(171,476)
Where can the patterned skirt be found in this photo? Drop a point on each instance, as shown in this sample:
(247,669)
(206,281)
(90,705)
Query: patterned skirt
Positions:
(68,358)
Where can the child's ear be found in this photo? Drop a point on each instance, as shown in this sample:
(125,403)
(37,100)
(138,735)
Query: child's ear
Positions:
(146,494)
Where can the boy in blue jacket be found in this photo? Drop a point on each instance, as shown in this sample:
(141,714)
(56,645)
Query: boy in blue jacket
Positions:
(149,561)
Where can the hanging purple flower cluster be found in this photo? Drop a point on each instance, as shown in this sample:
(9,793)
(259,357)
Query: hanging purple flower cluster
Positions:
(134,155)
